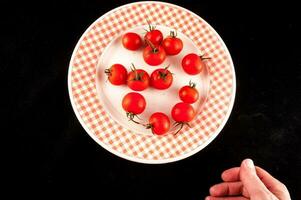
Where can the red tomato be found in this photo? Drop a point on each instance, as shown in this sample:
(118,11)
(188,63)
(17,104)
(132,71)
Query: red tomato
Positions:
(182,112)
(138,79)
(188,93)
(131,41)
(161,79)
(153,35)
(172,45)
(159,123)
(117,74)
(154,55)
(133,103)
(192,64)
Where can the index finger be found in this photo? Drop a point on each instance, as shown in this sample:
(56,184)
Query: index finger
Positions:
(231,175)
(274,185)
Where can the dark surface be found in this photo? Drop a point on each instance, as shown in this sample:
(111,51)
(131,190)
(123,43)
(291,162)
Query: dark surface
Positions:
(51,149)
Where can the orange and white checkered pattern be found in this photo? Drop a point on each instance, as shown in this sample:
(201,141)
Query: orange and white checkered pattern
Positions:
(123,142)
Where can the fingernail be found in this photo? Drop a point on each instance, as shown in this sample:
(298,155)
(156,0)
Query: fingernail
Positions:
(207,198)
(249,163)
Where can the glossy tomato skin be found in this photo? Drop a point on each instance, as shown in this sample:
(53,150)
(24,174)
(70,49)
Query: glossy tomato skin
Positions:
(161,79)
(160,123)
(172,45)
(132,41)
(154,36)
(117,74)
(182,112)
(138,80)
(153,56)
(134,103)
(188,94)
(192,64)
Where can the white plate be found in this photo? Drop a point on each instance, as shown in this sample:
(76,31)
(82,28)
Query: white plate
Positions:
(97,104)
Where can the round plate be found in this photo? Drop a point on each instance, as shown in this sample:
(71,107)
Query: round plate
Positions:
(97,103)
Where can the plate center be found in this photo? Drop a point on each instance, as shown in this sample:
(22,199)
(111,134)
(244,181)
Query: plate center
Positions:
(157,100)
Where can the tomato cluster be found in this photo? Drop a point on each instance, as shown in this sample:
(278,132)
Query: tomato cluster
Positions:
(156,49)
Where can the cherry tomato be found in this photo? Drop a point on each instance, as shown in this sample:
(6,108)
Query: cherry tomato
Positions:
(188,93)
(192,64)
(161,79)
(131,41)
(154,55)
(133,103)
(138,79)
(182,113)
(172,45)
(159,123)
(153,35)
(117,74)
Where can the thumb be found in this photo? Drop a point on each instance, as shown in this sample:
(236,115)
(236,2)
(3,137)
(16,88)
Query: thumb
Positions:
(252,182)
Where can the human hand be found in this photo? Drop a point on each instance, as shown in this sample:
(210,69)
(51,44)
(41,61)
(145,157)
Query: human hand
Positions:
(248,182)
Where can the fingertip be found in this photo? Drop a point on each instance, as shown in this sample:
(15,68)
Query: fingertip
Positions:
(217,190)
(207,198)
(224,176)
(248,163)
(230,175)
(212,190)
(247,167)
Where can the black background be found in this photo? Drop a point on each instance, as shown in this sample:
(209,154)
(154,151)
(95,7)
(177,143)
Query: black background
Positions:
(50,149)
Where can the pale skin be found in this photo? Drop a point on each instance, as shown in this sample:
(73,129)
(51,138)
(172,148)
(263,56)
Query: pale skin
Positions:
(248,182)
